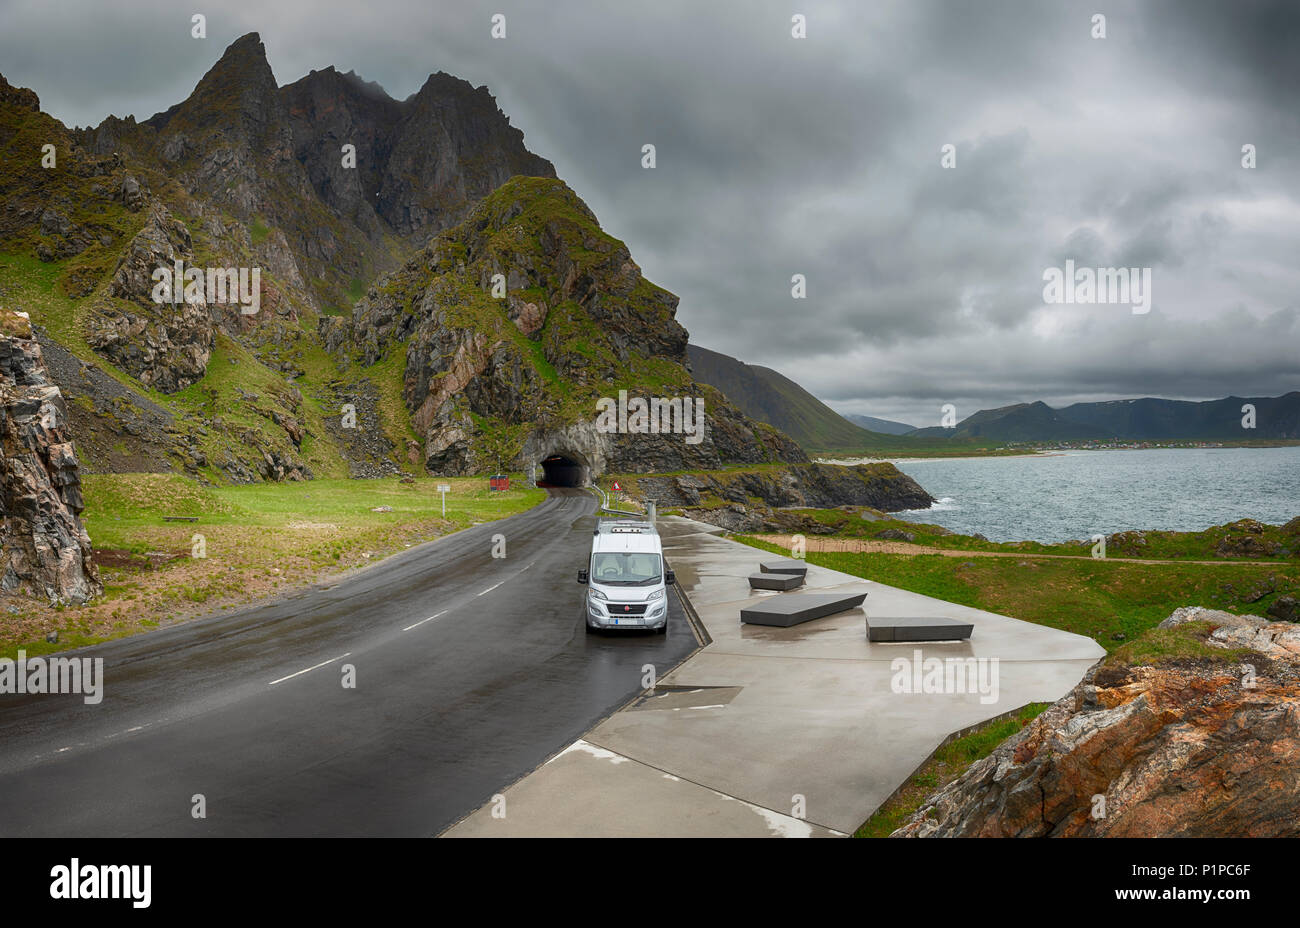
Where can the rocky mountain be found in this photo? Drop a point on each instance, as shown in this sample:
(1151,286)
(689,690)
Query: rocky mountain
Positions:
(771,397)
(1148,419)
(421,163)
(493,381)
(371,340)
(1190,747)
(44,549)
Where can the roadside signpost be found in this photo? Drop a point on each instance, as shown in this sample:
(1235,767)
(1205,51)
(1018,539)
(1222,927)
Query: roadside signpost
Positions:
(443,488)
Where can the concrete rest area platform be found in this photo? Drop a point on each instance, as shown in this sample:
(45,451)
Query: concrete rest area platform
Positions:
(775,581)
(917,628)
(777,731)
(797,608)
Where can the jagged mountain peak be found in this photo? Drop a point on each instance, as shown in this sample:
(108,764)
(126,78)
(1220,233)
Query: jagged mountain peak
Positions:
(240,84)
(331,76)
(440,82)
(245,56)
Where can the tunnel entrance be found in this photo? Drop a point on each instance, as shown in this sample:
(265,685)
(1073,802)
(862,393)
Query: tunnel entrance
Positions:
(562,470)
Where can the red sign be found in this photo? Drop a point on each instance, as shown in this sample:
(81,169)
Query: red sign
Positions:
(616,486)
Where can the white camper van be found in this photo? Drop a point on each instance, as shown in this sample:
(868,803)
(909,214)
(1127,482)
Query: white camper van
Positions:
(627,585)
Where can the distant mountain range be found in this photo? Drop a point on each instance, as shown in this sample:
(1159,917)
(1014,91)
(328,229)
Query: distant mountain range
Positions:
(1147,419)
(771,397)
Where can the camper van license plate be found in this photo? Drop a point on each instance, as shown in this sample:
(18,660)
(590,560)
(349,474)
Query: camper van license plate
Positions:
(627,621)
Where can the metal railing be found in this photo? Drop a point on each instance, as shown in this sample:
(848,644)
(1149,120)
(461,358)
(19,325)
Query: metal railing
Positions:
(605,499)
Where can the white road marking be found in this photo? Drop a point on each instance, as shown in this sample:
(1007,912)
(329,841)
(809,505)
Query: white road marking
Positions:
(309,669)
(422,621)
(489,589)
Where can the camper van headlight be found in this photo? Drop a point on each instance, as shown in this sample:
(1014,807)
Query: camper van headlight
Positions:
(597,594)
(657,594)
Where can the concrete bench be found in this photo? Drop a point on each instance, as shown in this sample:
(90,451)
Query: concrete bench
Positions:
(787,565)
(775,581)
(917,628)
(797,608)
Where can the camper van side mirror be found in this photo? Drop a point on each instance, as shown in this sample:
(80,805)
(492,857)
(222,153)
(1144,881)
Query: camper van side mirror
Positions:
(582,576)
(669,577)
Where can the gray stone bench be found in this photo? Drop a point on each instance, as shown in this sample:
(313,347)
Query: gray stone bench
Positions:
(916,628)
(787,565)
(797,608)
(775,581)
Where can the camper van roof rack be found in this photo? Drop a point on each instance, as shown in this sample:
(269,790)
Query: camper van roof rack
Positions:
(624,527)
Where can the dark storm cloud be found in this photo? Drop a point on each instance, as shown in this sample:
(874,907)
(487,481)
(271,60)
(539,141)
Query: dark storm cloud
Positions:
(822,157)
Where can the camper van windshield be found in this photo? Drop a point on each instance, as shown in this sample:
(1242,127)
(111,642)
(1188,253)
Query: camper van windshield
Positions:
(625,569)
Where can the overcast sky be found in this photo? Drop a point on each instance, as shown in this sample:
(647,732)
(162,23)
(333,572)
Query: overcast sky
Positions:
(821,156)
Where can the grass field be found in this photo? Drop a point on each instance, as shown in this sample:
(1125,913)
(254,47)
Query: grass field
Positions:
(255,540)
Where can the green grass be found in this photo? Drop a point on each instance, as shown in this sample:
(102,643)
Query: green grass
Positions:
(125,511)
(258,231)
(1183,642)
(949,762)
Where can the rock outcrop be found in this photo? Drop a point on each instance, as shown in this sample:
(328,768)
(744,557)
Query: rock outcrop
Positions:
(20,97)
(44,549)
(1245,540)
(807,486)
(1189,747)
(165,345)
(517,321)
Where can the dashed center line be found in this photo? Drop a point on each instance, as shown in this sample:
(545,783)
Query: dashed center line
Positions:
(445,611)
(309,669)
(422,621)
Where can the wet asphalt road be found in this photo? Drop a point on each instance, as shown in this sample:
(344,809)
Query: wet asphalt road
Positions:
(444,714)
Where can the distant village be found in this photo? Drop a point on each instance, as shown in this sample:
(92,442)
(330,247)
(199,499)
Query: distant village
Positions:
(1096,444)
